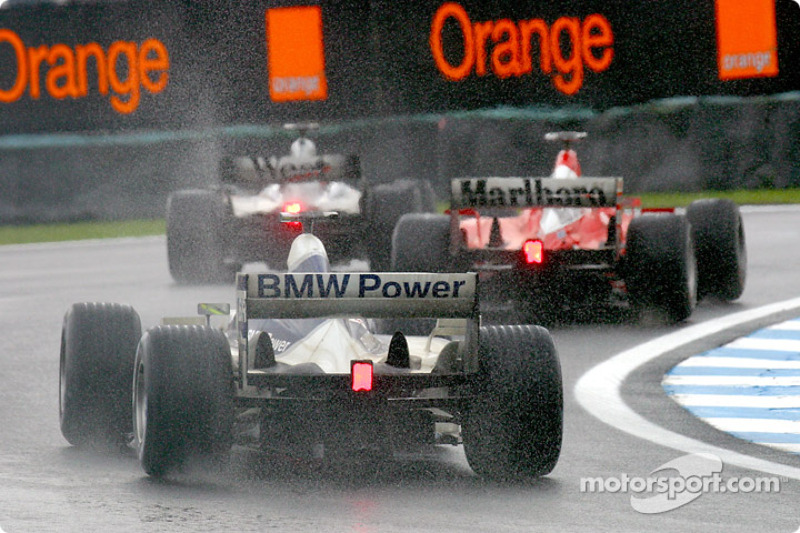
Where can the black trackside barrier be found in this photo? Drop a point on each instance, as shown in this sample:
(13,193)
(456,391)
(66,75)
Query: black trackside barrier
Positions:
(105,107)
(170,65)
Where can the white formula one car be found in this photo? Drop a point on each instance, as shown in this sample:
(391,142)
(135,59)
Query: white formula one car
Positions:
(307,368)
(212,232)
(565,242)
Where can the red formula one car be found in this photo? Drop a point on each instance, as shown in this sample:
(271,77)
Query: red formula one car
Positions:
(212,232)
(560,243)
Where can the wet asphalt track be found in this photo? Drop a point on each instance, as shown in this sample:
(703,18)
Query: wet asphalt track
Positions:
(45,485)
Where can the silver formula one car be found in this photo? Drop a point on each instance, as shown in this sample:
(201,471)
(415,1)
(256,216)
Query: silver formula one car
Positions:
(212,232)
(309,367)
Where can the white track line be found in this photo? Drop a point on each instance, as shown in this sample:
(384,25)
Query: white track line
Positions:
(598,390)
(733,381)
(789,325)
(731,400)
(754,425)
(787,447)
(778,345)
(713,361)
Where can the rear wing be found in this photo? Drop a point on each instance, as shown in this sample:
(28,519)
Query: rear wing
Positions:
(245,170)
(372,295)
(520,192)
(375,295)
(329,167)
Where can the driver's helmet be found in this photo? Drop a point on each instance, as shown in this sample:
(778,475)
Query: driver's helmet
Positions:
(307,254)
(303,148)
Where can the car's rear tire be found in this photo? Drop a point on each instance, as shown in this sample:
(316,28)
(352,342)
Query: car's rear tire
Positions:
(718,234)
(197,222)
(513,428)
(660,267)
(98,347)
(182,397)
(385,204)
(421,243)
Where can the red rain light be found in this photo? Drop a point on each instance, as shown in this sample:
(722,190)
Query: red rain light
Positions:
(293,208)
(534,252)
(294,225)
(361,376)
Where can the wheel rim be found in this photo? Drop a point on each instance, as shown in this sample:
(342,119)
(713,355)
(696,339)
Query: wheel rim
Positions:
(62,386)
(741,251)
(691,279)
(140,405)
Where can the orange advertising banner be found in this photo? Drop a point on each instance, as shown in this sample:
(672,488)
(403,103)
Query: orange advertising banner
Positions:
(63,71)
(296,54)
(747,44)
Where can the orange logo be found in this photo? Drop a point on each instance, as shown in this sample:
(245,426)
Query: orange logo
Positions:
(746,39)
(506,47)
(66,70)
(296,54)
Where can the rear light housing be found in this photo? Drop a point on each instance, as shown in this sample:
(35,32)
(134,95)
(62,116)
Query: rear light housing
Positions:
(361,376)
(293,208)
(533,252)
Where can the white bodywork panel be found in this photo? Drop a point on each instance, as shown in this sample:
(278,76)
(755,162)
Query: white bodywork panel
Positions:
(331,347)
(320,196)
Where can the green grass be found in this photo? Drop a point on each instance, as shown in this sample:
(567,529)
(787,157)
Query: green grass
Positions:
(80,230)
(139,228)
(741,197)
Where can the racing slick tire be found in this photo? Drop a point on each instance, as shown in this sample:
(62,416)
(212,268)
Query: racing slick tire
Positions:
(182,397)
(718,234)
(385,204)
(196,233)
(513,427)
(98,347)
(660,265)
(421,243)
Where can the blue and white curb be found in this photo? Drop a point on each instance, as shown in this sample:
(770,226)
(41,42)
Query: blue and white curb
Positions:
(749,388)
